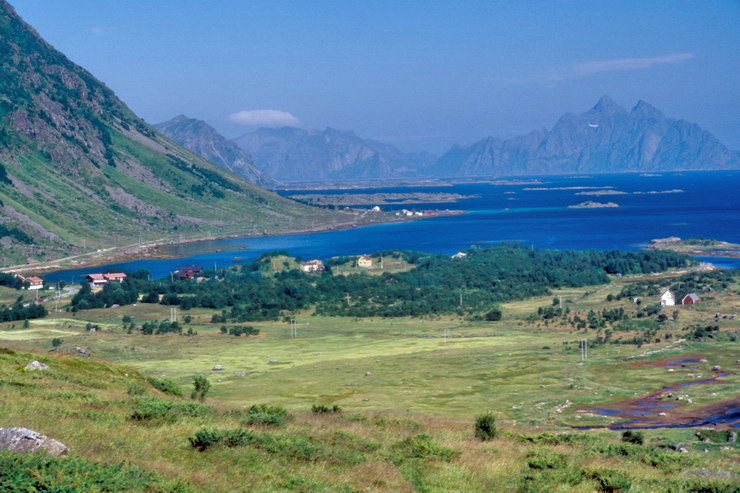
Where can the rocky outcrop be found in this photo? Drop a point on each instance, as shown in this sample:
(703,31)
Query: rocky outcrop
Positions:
(22,440)
(605,139)
(35,366)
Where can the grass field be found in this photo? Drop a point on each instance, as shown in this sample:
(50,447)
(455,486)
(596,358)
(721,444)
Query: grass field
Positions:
(394,380)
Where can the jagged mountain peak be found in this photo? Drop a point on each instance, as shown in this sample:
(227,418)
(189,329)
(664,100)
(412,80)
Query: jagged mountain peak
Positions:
(607,107)
(605,139)
(645,110)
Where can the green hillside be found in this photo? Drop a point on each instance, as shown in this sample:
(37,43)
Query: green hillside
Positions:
(80,171)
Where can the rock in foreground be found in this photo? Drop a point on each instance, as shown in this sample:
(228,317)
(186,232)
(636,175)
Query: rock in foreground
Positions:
(22,440)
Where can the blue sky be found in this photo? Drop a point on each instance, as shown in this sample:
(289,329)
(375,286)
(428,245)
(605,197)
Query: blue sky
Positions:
(418,74)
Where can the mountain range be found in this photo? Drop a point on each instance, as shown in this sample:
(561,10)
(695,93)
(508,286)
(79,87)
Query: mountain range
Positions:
(79,170)
(605,139)
(291,154)
(205,141)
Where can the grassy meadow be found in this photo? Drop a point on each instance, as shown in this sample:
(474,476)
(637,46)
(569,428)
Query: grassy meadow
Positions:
(409,390)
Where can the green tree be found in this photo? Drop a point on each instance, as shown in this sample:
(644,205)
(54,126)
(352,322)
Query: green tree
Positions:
(201,386)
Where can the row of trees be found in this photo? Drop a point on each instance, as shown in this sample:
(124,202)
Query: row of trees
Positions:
(436,284)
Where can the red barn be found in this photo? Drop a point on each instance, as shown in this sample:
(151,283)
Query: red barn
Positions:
(691,299)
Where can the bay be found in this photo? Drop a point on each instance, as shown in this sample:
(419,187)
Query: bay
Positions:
(534,215)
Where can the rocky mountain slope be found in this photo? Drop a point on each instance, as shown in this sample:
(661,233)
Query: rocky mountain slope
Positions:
(294,154)
(79,170)
(605,139)
(205,141)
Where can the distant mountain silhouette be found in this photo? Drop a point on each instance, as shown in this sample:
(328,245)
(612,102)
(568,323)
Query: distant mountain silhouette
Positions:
(205,141)
(294,154)
(605,139)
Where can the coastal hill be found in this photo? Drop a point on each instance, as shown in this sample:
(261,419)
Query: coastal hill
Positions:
(295,154)
(80,171)
(205,141)
(605,139)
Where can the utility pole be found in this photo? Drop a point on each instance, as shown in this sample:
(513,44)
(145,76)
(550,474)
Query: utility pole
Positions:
(461,298)
(584,349)
(446,336)
(173,314)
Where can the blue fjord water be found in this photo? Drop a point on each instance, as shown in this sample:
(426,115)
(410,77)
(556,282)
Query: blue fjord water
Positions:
(709,207)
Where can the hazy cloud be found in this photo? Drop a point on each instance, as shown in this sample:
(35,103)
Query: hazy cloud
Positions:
(97,30)
(265,118)
(583,69)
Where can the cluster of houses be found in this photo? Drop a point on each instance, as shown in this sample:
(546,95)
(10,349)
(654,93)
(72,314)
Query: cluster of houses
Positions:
(408,213)
(190,272)
(669,299)
(316,265)
(97,280)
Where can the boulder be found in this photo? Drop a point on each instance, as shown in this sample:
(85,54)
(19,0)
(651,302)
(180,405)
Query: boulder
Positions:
(217,368)
(22,440)
(35,365)
(716,368)
(85,353)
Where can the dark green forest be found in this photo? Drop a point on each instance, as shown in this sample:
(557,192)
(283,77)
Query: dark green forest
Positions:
(436,284)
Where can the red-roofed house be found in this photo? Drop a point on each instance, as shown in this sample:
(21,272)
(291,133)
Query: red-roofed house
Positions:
(35,282)
(96,279)
(115,276)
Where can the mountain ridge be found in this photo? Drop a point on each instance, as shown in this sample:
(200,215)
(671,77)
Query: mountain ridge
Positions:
(605,139)
(80,171)
(204,140)
(291,154)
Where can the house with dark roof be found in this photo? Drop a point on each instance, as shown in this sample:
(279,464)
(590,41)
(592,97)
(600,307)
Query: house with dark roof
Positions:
(189,271)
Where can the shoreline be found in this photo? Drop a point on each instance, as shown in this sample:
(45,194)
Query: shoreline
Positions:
(153,250)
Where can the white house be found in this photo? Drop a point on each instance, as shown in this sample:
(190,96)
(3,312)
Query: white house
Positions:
(365,261)
(315,265)
(667,298)
(35,282)
(460,255)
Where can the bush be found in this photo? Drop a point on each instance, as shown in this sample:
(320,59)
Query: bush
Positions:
(322,409)
(421,446)
(136,388)
(544,459)
(165,385)
(57,341)
(485,427)
(262,414)
(201,386)
(494,315)
(30,472)
(633,437)
(161,410)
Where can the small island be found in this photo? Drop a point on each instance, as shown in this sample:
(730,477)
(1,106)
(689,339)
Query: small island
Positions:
(708,247)
(593,205)
(602,192)
(359,199)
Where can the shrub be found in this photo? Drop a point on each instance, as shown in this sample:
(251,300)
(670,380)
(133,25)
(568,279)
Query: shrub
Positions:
(544,459)
(485,427)
(610,480)
(31,472)
(421,446)
(201,386)
(633,437)
(57,341)
(262,414)
(494,315)
(165,385)
(162,410)
(322,409)
(136,388)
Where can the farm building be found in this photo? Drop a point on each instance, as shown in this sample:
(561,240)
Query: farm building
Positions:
(690,299)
